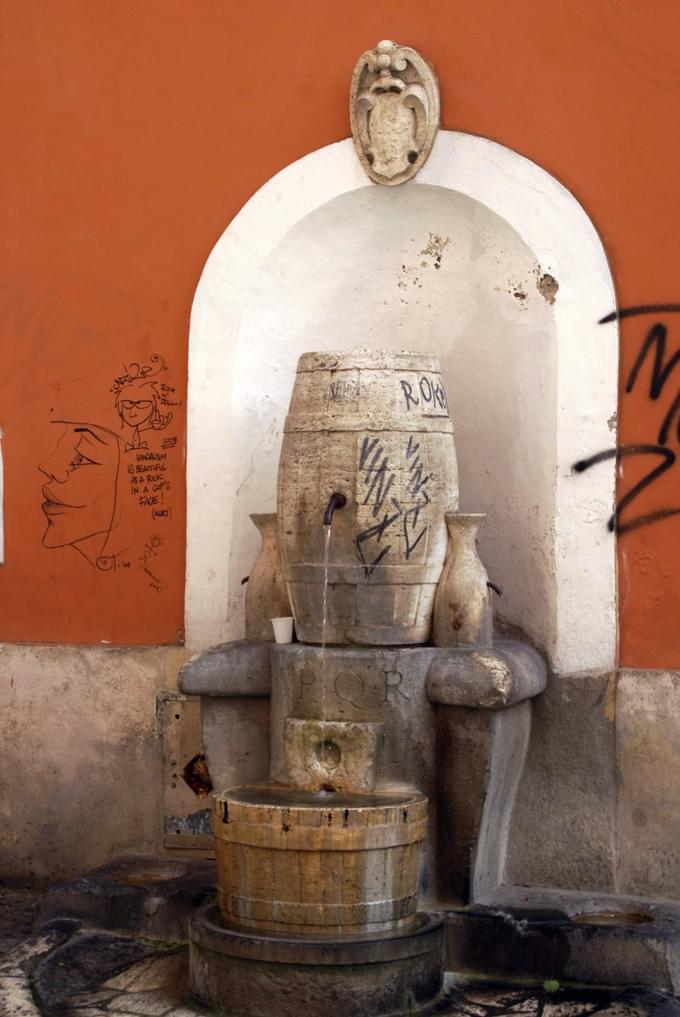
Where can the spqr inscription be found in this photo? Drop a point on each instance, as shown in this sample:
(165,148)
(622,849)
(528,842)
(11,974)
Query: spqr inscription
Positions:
(361,692)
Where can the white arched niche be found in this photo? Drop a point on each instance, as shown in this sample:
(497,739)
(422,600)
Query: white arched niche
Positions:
(486,261)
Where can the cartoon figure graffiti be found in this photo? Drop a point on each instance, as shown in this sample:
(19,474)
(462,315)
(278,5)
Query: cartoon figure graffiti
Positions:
(136,402)
(80,503)
(100,482)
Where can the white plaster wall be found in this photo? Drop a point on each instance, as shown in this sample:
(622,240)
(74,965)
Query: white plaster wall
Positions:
(318,259)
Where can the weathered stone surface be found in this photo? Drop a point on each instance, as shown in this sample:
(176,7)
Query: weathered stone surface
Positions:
(464,741)
(238,974)
(534,933)
(143,895)
(480,756)
(186,779)
(374,427)
(234,682)
(385,686)
(488,944)
(648,789)
(462,606)
(394,112)
(325,755)
(231,669)
(236,739)
(266,593)
(81,772)
(298,862)
(563,830)
(490,678)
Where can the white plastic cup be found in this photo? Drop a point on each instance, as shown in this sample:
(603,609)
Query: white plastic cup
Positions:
(283,629)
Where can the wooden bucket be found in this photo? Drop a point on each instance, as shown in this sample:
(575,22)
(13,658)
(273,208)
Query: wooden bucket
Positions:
(299,862)
(374,426)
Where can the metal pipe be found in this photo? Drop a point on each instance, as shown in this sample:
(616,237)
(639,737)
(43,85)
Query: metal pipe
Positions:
(336,501)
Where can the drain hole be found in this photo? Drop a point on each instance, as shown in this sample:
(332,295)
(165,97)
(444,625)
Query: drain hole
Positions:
(328,753)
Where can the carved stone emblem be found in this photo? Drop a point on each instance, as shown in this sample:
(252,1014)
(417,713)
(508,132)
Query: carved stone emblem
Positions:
(394,112)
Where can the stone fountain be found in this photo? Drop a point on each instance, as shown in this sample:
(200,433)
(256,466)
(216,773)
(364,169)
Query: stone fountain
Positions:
(393,760)
(381,789)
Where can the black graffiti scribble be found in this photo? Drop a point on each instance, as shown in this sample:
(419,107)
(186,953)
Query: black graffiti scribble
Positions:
(379,477)
(631,312)
(372,532)
(654,345)
(661,371)
(416,488)
(614,523)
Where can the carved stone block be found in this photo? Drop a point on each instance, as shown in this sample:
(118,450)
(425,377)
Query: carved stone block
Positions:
(394,112)
(323,755)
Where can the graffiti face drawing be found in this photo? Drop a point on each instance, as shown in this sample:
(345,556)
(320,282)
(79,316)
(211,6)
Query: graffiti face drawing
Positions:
(135,412)
(136,404)
(80,494)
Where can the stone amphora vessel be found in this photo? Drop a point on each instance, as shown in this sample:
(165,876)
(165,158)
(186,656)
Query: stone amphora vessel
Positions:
(266,593)
(462,606)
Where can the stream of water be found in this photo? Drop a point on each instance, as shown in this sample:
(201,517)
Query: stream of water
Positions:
(324,623)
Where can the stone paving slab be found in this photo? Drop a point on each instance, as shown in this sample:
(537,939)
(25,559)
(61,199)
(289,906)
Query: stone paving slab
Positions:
(155,987)
(99,998)
(153,974)
(149,1004)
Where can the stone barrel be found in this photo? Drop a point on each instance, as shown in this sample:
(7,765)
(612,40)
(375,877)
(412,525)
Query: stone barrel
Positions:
(299,863)
(375,427)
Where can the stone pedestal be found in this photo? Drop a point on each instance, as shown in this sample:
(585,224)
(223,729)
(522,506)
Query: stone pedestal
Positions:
(240,974)
(455,724)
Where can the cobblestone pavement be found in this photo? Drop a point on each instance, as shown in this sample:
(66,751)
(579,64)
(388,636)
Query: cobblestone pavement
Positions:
(71,971)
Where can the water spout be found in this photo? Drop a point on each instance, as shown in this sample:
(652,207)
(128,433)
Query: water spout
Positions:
(336,501)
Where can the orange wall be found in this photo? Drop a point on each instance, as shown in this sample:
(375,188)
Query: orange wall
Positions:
(133,132)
